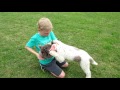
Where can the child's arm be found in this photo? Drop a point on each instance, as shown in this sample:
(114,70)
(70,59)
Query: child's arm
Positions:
(34,52)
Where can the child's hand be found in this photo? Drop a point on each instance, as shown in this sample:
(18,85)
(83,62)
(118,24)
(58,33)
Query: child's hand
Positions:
(39,57)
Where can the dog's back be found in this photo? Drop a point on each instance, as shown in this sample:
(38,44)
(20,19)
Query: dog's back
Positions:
(74,54)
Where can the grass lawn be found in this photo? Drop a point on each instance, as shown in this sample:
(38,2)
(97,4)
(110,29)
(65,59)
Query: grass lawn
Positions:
(96,32)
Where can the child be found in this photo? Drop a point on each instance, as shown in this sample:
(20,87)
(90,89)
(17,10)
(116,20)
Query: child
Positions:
(45,35)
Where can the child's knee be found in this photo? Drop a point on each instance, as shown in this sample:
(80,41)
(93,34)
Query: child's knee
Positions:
(62,75)
(65,65)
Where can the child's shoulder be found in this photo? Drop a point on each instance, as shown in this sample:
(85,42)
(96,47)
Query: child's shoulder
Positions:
(51,32)
(35,35)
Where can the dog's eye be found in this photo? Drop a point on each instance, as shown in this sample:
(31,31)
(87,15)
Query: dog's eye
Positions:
(46,50)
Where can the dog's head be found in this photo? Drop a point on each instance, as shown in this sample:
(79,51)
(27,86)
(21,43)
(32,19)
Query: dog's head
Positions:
(45,51)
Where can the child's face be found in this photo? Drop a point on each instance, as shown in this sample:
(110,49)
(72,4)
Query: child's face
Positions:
(45,32)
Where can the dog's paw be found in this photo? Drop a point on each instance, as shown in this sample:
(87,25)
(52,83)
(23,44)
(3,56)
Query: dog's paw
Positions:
(57,56)
(60,59)
(53,53)
(95,63)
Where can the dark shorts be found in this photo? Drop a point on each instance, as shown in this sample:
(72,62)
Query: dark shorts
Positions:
(54,66)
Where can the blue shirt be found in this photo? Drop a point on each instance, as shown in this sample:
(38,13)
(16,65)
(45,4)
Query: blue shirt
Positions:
(38,40)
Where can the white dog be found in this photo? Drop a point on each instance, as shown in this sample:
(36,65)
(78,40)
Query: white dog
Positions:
(63,52)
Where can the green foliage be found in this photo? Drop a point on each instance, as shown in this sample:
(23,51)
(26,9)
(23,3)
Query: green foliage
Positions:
(96,32)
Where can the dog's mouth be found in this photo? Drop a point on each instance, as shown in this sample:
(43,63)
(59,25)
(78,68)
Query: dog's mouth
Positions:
(45,54)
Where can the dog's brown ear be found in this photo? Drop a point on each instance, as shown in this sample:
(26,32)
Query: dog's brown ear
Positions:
(52,42)
(40,47)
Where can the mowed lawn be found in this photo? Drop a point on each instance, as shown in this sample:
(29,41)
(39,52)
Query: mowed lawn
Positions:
(98,33)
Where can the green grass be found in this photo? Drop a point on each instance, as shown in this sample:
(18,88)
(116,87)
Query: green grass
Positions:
(96,32)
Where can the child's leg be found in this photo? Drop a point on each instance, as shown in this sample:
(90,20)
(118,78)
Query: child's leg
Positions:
(63,64)
(54,69)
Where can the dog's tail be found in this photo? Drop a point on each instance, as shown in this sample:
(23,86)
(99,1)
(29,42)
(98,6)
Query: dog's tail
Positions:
(93,61)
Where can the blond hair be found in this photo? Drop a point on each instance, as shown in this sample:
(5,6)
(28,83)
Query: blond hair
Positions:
(44,24)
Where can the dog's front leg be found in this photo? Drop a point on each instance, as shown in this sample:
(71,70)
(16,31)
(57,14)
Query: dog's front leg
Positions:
(57,56)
